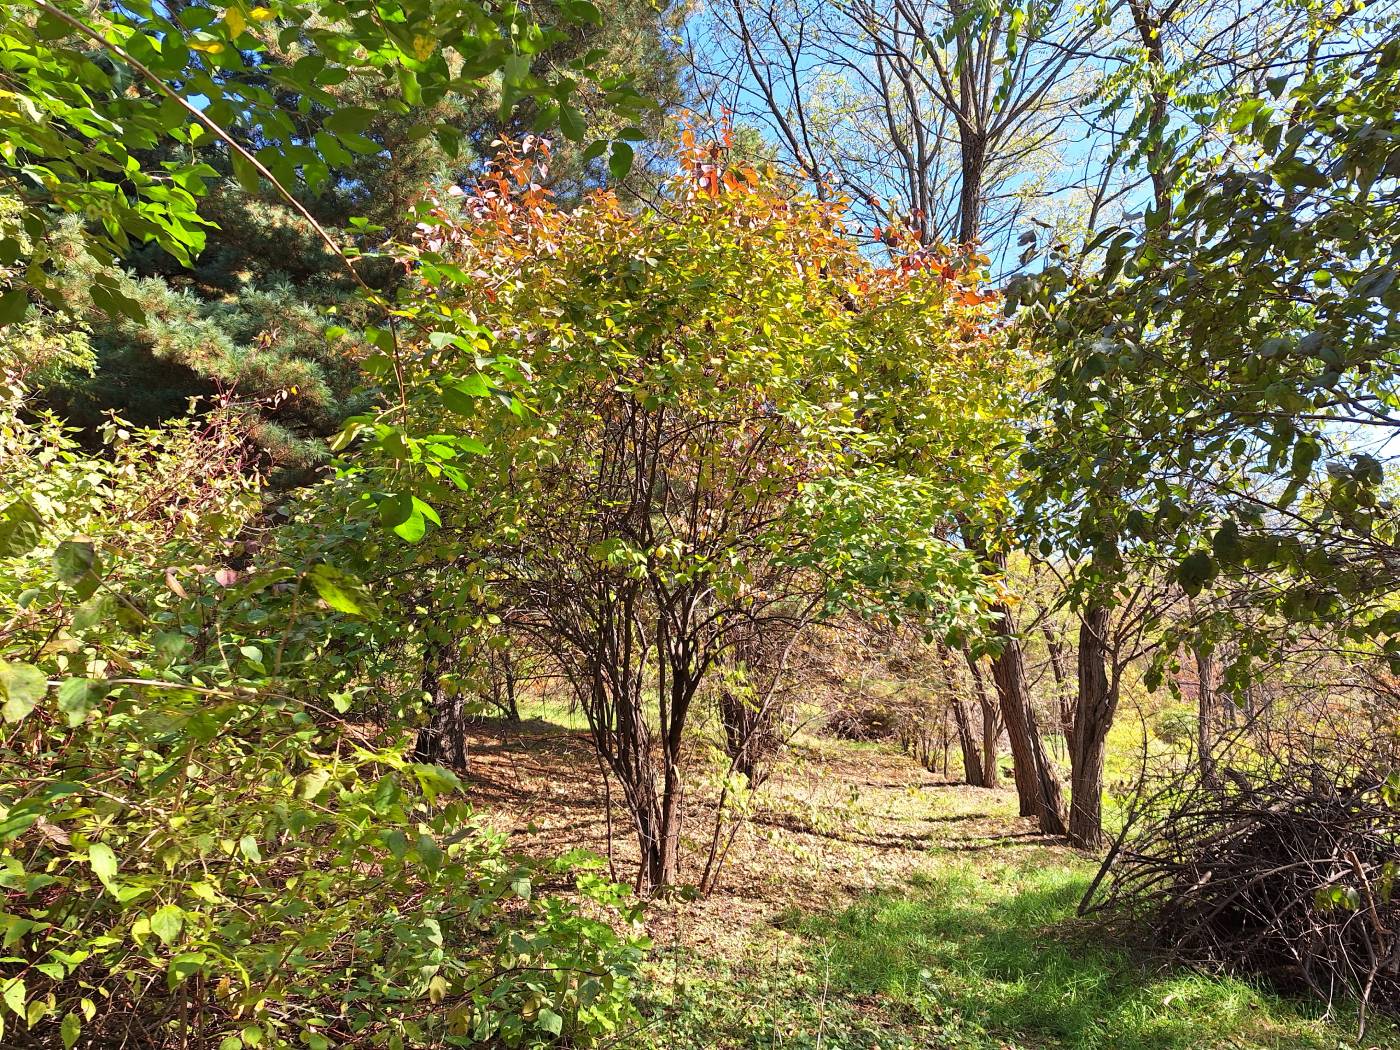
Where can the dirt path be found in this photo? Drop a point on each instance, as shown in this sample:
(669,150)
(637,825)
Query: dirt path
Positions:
(871,905)
(838,820)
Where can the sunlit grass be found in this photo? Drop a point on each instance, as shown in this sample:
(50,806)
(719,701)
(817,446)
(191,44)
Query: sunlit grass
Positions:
(983,951)
(979,950)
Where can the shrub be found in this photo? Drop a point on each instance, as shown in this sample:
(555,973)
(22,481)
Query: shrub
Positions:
(192,838)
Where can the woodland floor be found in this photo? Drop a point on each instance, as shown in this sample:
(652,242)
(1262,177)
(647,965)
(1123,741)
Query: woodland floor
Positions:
(871,905)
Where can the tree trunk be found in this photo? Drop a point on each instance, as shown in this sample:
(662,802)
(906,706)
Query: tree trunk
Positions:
(1093,717)
(739,717)
(1205,712)
(747,732)
(972,761)
(1037,786)
(991,726)
(664,864)
(974,774)
(1056,647)
(973,162)
(443,741)
(658,854)
(510,681)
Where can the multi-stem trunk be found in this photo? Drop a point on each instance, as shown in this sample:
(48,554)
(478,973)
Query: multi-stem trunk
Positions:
(974,774)
(991,726)
(972,761)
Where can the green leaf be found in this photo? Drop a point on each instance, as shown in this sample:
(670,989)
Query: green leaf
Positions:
(13,305)
(166,923)
(21,687)
(474,385)
(94,611)
(620,160)
(184,966)
(395,509)
(246,174)
(1195,572)
(415,526)
(104,864)
(14,995)
(20,529)
(78,696)
(73,560)
(71,1028)
(571,122)
(313,783)
(550,1022)
(581,11)
(340,590)
(349,120)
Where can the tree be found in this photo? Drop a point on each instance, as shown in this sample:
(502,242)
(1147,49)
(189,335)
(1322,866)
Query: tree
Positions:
(710,445)
(254,311)
(190,840)
(234,210)
(927,114)
(1178,447)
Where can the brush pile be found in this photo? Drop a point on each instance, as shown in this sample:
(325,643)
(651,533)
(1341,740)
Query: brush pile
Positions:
(1288,871)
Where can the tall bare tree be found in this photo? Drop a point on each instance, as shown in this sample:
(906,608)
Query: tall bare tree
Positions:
(943,115)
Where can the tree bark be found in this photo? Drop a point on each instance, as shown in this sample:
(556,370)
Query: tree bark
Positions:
(1037,786)
(443,741)
(973,162)
(991,727)
(972,761)
(974,775)
(1056,648)
(1093,717)
(1205,712)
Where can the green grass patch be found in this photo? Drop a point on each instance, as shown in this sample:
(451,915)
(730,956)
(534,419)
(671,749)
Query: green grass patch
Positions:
(977,955)
(987,956)
(558,711)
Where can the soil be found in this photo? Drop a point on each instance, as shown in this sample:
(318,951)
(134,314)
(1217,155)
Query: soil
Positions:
(835,821)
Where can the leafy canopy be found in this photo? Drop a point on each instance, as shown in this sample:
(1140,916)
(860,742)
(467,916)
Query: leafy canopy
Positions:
(91,92)
(1225,384)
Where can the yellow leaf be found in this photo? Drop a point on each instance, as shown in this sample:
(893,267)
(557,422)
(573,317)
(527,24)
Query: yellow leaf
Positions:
(236,21)
(437,988)
(424,46)
(209,47)
(262,14)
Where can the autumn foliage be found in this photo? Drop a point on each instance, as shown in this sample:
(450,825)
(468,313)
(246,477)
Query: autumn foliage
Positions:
(727,421)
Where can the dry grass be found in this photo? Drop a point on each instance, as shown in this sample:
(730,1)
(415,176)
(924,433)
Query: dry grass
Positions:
(871,905)
(835,822)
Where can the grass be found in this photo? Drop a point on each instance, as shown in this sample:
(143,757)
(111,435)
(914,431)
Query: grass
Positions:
(981,953)
(564,713)
(877,909)
(979,949)
(973,956)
